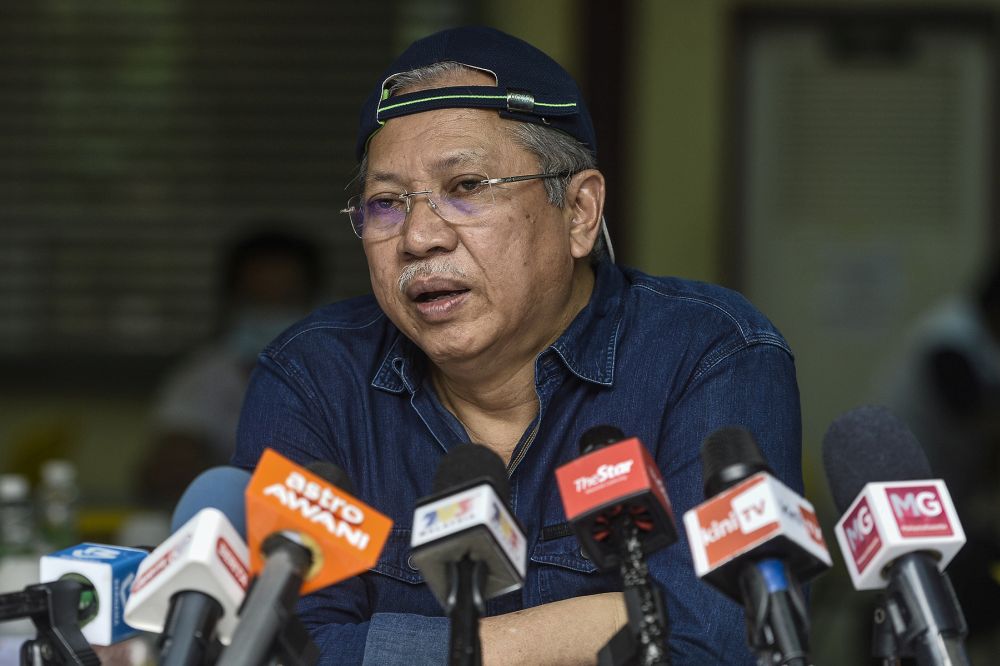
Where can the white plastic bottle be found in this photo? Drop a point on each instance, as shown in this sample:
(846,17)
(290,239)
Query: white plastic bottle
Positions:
(57,504)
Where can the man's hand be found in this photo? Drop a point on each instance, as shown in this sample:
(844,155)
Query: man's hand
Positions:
(565,632)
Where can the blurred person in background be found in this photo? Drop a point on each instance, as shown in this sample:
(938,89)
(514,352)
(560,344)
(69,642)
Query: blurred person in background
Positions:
(270,279)
(946,387)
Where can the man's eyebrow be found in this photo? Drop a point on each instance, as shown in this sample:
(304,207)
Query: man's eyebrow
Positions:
(474,157)
(382,177)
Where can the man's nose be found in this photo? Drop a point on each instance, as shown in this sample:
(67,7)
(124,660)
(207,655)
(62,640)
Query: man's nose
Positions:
(425,229)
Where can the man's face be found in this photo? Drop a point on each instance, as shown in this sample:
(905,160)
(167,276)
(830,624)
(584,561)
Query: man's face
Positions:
(498,285)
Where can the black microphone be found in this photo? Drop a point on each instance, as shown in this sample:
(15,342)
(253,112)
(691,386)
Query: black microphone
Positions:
(467,544)
(616,502)
(755,540)
(898,532)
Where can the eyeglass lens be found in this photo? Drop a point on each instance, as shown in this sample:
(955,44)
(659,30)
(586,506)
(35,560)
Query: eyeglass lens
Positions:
(461,200)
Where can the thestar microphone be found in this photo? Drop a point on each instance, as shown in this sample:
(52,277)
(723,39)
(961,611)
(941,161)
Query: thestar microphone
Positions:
(614,498)
(755,540)
(304,532)
(190,587)
(898,532)
(467,544)
(614,474)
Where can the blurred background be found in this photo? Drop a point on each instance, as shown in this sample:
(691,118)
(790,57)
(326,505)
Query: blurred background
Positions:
(171,174)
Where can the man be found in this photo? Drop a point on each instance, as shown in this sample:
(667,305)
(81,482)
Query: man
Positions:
(499,317)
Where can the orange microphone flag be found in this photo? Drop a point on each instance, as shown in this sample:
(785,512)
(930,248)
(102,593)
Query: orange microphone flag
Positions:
(344,534)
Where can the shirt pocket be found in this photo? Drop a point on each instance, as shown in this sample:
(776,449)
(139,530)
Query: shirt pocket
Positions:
(394,585)
(563,571)
(394,561)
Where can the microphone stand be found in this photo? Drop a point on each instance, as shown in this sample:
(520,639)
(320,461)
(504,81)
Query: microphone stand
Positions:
(55,609)
(885,648)
(643,641)
(464,607)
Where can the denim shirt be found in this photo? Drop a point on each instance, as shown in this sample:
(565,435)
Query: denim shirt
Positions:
(663,359)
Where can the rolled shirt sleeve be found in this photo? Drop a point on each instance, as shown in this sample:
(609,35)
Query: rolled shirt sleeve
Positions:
(403,639)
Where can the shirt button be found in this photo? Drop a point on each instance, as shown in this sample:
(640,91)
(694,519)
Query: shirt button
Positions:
(583,553)
(409,563)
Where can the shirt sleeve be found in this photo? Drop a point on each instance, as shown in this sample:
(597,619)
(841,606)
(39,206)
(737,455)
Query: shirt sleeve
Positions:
(400,639)
(754,387)
(334,615)
(281,412)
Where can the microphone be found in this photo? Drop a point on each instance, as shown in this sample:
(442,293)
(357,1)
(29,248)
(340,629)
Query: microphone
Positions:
(343,534)
(755,540)
(192,584)
(305,532)
(467,544)
(614,498)
(615,475)
(898,532)
(109,571)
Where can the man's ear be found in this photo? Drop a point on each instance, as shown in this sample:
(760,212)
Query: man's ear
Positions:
(584,206)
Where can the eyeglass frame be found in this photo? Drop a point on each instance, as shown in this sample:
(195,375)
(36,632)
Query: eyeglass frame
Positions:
(406,197)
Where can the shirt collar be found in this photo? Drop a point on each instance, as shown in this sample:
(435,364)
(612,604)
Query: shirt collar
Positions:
(587,347)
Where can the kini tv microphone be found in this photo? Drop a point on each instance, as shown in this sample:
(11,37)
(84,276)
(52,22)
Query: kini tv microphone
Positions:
(109,571)
(898,532)
(467,544)
(755,540)
(190,587)
(614,498)
(305,532)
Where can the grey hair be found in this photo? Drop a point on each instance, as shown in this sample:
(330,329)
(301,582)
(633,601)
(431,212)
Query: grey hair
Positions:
(556,151)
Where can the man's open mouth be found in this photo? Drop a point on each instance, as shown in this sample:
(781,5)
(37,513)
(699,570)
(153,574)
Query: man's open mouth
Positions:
(429,296)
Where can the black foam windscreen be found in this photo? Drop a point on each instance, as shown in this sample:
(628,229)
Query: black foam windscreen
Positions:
(869,444)
(219,488)
(599,436)
(471,462)
(333,474)
(729,455)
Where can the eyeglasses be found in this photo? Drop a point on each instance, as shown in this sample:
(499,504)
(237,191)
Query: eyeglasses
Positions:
(462,199)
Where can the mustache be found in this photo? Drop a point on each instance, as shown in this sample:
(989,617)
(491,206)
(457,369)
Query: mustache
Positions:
(431,267)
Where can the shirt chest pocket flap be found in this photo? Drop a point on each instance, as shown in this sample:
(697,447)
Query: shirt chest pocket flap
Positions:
(564,571)
(395,559)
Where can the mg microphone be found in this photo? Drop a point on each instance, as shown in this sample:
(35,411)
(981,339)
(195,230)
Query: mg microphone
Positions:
(190,587)
(755,540)
(614,498)
(898,532)
(305,532)
(467,544)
